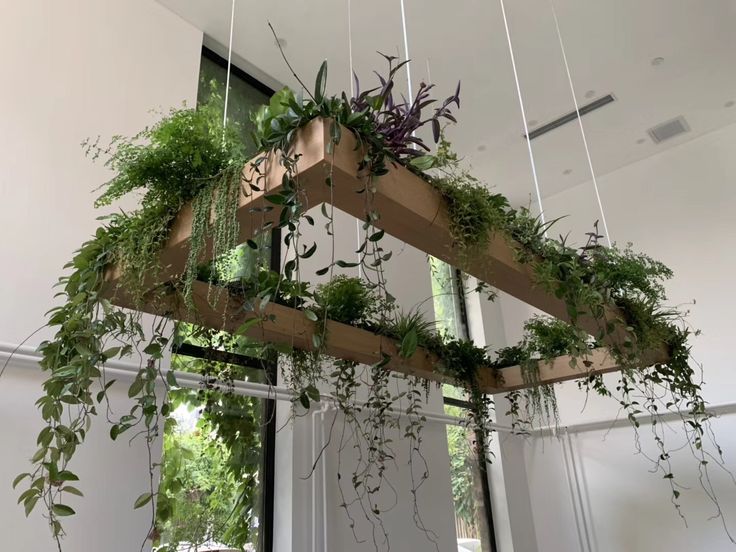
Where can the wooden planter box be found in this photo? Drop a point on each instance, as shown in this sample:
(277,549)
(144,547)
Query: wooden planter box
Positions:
(410,210)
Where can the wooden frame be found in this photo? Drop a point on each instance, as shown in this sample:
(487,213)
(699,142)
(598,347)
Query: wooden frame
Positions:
(412,211)
(286,326)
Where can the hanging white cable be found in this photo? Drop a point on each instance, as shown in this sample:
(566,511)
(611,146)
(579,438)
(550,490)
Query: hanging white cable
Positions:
(580,122)
(406,49)
(350,47)
(358,233)
(523,115)
(229,63)
(408,80)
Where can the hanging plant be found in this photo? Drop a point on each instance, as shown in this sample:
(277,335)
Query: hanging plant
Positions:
(190,159)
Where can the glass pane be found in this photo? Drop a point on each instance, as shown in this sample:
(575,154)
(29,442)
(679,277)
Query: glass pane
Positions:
(446,299)
(240,264)
(218,354)
(211,473)
(472,526)
(243,97)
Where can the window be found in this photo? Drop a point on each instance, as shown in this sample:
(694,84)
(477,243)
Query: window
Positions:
(246,93)
(470,484)
(216,489)
(468,472)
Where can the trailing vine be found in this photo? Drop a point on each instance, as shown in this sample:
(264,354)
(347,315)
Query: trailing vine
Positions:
(190,161)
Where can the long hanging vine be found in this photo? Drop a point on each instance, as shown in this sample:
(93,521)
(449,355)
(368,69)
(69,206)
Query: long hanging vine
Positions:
(189,158)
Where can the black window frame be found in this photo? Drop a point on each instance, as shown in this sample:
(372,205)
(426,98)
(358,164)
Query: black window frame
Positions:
(269,365)
(459,288)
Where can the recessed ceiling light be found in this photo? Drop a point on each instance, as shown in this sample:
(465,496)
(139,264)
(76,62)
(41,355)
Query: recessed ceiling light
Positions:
(641,140)
(657,61)
(532,122)
(481,147)
(590,93)
(567,171)
(729,103)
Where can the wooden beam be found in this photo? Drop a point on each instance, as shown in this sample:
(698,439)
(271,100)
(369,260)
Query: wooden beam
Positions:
(215,308)
(253,212)
(410,209)
(565,368)
(283,325)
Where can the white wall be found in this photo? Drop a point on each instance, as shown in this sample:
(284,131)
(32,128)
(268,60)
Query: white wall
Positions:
(71,70)
(676,206)
(112,475)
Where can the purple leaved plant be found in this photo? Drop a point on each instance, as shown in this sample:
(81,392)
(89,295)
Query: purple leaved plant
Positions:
(398,122)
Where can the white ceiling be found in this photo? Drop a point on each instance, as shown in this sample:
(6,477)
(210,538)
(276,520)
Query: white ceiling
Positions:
(610,46)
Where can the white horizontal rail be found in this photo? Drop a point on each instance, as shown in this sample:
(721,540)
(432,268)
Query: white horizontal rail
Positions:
(29,357)
(719,409)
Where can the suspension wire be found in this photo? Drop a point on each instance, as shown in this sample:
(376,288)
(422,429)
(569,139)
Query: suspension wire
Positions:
(523,116)
(408,81)
(406,49)
(580,122)
(358,233)
(229,63)
(350,48)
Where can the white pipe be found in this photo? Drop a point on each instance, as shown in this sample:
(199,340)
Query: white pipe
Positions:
(609,423)
(578,492)
(313,481)
(322,441)
(571,489)
(128,370)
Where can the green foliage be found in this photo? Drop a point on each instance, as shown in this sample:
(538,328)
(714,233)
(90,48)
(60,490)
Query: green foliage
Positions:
(385,127)
(190,157)
(348,300)
(475,213)
(461,473)
(267,285)
(208,484)
(86,324)
(217,486)
(171,163)
(411,330)
(218,199)
(544,339)
(629,275)
(173,160)
(463,360)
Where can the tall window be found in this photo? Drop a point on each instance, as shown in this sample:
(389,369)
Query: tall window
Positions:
(468,472)
(216,489)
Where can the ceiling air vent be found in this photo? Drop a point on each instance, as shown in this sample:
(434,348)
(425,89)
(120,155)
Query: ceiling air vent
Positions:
(670,129)
(569,117)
